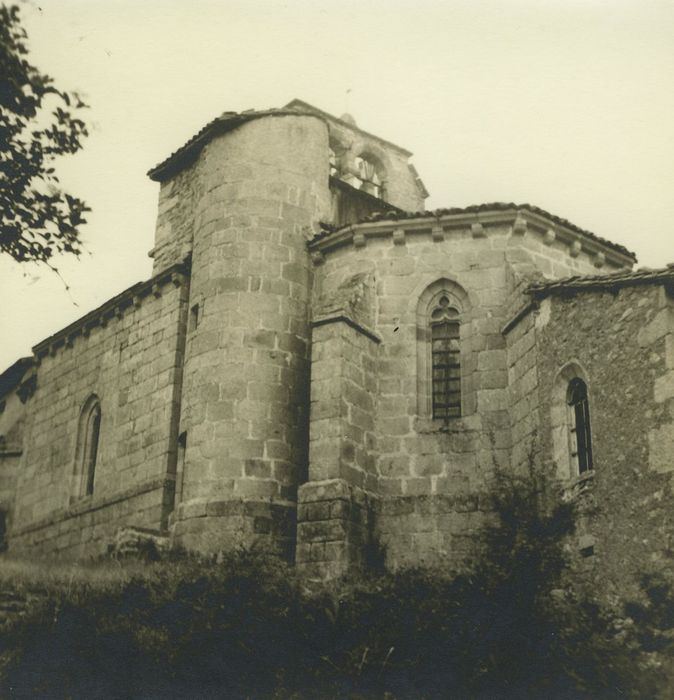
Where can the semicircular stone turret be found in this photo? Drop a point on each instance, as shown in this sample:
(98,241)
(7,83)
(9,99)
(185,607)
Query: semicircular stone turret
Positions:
(261,188)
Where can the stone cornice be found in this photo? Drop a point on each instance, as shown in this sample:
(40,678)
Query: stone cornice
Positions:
(526,309)
(340,316)
(113,308)
(522,222)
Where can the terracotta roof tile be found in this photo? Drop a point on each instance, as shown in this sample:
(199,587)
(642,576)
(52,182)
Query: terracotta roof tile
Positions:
(624,278)
(227,121)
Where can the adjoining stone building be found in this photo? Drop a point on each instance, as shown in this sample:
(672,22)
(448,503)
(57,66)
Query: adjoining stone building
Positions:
(317,363)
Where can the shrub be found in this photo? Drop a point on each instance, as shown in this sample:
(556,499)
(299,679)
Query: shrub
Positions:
(244,626)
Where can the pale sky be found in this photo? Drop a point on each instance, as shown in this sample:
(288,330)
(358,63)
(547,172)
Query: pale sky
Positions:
(565,104)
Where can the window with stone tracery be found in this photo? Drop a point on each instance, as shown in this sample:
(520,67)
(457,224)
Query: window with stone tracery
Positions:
(445,388)
(445,360)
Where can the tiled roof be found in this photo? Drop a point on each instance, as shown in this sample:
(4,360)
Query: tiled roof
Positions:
(227,121)
(624,278)
(491,207)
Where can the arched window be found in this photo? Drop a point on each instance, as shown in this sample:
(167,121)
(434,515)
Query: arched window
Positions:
(87,448)
(444,363)
(571,431)
(580,434)
(369,176)
(445,360)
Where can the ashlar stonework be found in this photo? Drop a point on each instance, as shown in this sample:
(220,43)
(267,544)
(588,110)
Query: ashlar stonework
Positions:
(318,367)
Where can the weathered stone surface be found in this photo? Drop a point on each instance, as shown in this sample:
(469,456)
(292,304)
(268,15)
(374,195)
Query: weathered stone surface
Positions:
(138,543)
(282,392)
(632,430)
(132,365)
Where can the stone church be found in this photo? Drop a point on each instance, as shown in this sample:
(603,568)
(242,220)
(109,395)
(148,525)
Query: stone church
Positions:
(317,364)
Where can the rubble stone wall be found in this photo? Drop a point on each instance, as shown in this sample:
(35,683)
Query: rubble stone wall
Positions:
(622,340)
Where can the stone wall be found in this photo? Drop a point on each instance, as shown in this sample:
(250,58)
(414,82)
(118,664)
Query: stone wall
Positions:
(523,394)
(210,427)
(621,340)
(429,472)
(13,399)
(174,230)
(245,399)
(128,353)
(335,517)
(402,187)
(435,531)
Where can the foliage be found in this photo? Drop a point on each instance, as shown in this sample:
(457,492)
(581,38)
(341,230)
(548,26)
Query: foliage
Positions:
(653,619)
(245,626)
(38,122)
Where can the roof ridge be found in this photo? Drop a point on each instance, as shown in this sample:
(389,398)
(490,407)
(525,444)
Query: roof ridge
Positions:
(613,279)
(226,121)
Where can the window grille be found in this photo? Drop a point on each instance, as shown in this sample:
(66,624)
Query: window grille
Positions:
(446,360)
(580,432)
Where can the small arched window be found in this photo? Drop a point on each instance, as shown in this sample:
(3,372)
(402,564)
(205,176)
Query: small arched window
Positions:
(445,360)
(87,447)
(580,434)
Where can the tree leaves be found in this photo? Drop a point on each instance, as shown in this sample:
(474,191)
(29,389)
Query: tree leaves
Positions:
(37,218)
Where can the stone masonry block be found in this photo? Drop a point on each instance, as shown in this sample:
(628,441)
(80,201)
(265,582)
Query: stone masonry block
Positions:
(324,490)
(491,360)
(321,531)
(661,325)
(418,486)
(664,387)
(340,509)
(320,510)
(661,448)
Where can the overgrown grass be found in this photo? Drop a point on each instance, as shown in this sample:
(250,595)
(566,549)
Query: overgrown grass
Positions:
(53,575)
(246,627)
